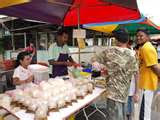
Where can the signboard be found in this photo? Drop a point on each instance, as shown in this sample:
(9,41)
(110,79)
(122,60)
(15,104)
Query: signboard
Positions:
(79,33)
(81,43)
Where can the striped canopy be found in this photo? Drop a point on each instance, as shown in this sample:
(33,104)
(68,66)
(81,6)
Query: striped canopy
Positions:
(70,12)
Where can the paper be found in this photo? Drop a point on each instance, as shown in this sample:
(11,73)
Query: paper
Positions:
(81,43)
(79,33)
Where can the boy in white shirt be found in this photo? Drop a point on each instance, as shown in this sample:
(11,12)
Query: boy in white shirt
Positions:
(22,75)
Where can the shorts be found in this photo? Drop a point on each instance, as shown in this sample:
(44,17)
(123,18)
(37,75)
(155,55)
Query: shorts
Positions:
(115,110)
(130,105)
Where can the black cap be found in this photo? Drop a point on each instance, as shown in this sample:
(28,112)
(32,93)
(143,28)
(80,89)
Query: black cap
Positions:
(121,35)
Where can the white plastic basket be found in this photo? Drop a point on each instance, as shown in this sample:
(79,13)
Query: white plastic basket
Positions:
(41,73)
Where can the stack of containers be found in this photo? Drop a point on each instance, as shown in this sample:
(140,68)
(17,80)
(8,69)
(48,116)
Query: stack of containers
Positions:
(40,72)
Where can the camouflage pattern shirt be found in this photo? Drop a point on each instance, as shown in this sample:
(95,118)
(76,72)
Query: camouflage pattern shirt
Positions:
(121,64)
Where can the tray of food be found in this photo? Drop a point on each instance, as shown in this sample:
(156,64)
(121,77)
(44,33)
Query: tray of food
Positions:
(51,95)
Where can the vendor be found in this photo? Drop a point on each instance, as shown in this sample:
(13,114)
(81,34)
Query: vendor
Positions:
(22,75)
(60,58)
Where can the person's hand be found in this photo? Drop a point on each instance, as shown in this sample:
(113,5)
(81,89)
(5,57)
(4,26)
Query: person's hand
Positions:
(104,72)
(136,98)
(69,63)
(76,65)
(30,79)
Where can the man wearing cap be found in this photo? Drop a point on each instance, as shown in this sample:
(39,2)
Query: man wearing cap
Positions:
(121,65)
(149,72)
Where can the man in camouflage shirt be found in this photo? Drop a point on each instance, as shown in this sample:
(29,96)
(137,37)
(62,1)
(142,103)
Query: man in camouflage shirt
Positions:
(121,64)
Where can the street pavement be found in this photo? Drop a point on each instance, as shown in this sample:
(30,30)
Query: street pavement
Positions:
(98,116)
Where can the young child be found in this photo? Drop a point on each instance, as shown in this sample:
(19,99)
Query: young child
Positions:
(22,75)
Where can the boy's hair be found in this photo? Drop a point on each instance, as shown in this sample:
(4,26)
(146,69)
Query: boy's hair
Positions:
(130,42)
(121,35)
(62,31)
(143,30)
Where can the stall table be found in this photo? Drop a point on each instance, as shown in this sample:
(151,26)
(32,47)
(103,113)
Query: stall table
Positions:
(64,113)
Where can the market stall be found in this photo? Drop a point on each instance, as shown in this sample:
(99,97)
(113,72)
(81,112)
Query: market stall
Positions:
(58,98)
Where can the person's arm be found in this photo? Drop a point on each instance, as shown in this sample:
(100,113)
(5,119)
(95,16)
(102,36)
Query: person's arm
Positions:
(71,59)
(156,69)
(17,81)
(53,62)
(136,94)
(34,51)
(136,76)
(26,49)
(151,60)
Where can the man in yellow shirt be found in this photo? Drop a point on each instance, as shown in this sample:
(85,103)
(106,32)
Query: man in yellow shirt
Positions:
(149,72)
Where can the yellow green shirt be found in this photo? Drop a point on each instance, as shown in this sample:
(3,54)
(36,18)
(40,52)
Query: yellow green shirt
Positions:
(147,57)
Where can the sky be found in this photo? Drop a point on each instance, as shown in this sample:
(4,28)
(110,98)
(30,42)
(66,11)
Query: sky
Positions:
(150,9)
